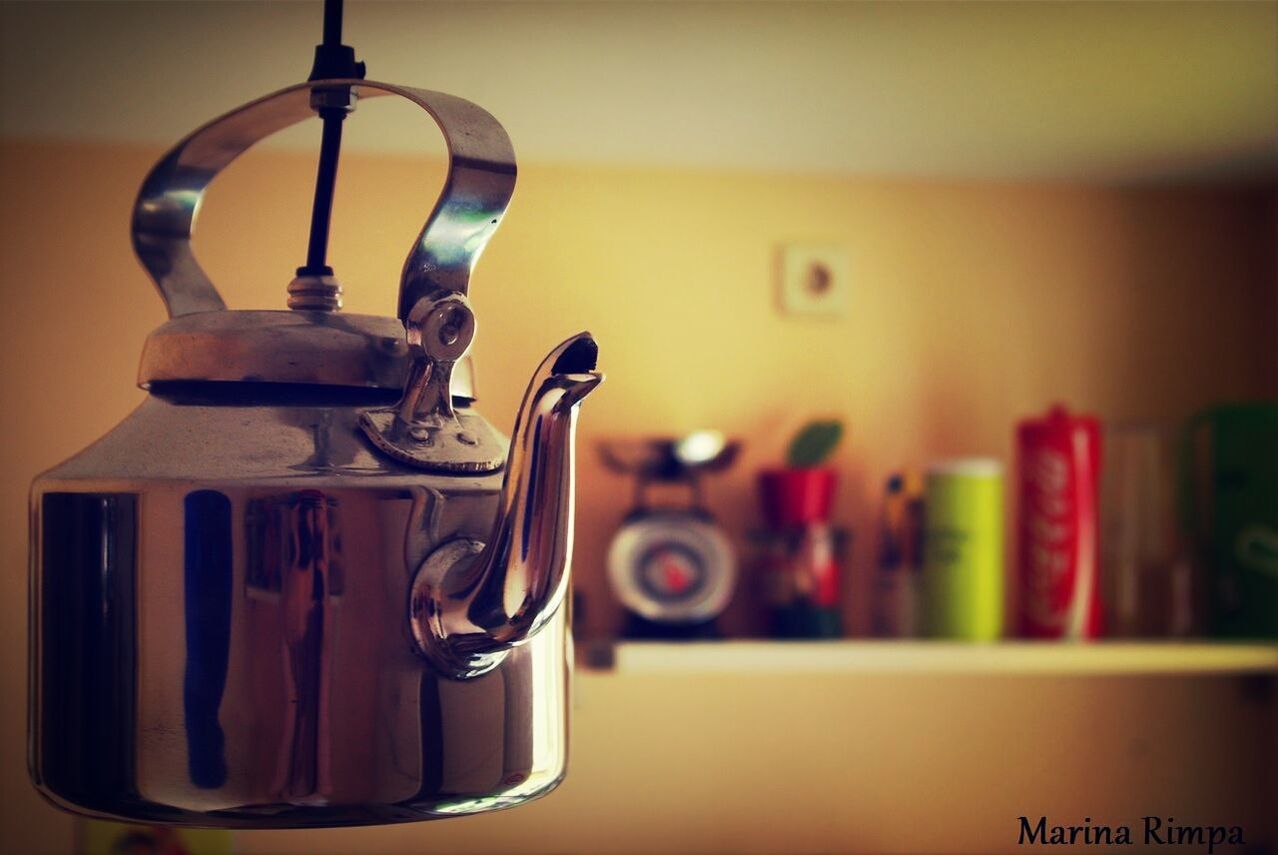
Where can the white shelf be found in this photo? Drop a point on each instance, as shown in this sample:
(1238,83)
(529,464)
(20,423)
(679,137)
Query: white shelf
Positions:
(934,657)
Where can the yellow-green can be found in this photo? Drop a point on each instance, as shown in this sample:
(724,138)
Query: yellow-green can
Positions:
(963,581)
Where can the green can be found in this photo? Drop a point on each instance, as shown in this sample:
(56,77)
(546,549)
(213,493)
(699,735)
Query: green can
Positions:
(963,581)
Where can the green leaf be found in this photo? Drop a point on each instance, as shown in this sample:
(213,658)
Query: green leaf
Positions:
(813,444)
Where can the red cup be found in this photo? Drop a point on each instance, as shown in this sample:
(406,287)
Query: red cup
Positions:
(797,497)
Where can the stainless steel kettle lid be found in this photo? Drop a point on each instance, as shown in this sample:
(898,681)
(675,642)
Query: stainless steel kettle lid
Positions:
(260,346)
(313,342)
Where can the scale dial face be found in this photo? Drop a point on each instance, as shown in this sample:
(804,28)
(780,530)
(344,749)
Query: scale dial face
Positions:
(672,567)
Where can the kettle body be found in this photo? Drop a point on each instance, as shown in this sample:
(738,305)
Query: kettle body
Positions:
(305,583)
(234,649)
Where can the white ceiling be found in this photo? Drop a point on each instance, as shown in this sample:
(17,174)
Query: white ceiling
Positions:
(1013,90)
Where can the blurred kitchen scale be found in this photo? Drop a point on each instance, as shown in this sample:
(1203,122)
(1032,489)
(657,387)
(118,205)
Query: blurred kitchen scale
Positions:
(671,565)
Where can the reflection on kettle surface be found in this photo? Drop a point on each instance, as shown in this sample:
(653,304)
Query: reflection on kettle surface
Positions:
(207,600)
(310,575)
(84,585)
(272,679)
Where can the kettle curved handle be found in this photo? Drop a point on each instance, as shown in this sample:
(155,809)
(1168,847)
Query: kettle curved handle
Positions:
(477,189)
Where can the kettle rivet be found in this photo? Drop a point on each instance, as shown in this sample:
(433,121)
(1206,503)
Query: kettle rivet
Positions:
(452,319)
(420,434)
(466,439)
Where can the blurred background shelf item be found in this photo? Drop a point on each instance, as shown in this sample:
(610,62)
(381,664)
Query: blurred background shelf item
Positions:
(938,657)
(670,564)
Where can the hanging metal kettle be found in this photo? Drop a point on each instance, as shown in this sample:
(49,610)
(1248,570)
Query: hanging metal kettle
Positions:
(304,583)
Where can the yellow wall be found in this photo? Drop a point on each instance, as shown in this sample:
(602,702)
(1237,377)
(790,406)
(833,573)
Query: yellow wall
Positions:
(972,304)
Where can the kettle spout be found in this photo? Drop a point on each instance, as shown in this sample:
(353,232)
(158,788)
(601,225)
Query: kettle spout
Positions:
(524,566)
(472,602)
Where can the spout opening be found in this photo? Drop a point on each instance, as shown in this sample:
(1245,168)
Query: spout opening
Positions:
(579,357)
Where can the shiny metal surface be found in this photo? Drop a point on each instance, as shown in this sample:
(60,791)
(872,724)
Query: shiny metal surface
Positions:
(424,429)
(315,293)
(236,650)
(203,343)
(473,602)
(272,346)
(224,625)
(479,184)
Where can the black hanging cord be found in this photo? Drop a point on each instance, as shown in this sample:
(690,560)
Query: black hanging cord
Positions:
(333,61)
(332,23)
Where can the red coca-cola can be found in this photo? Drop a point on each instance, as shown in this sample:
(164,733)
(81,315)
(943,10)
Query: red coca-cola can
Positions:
(1058,459)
